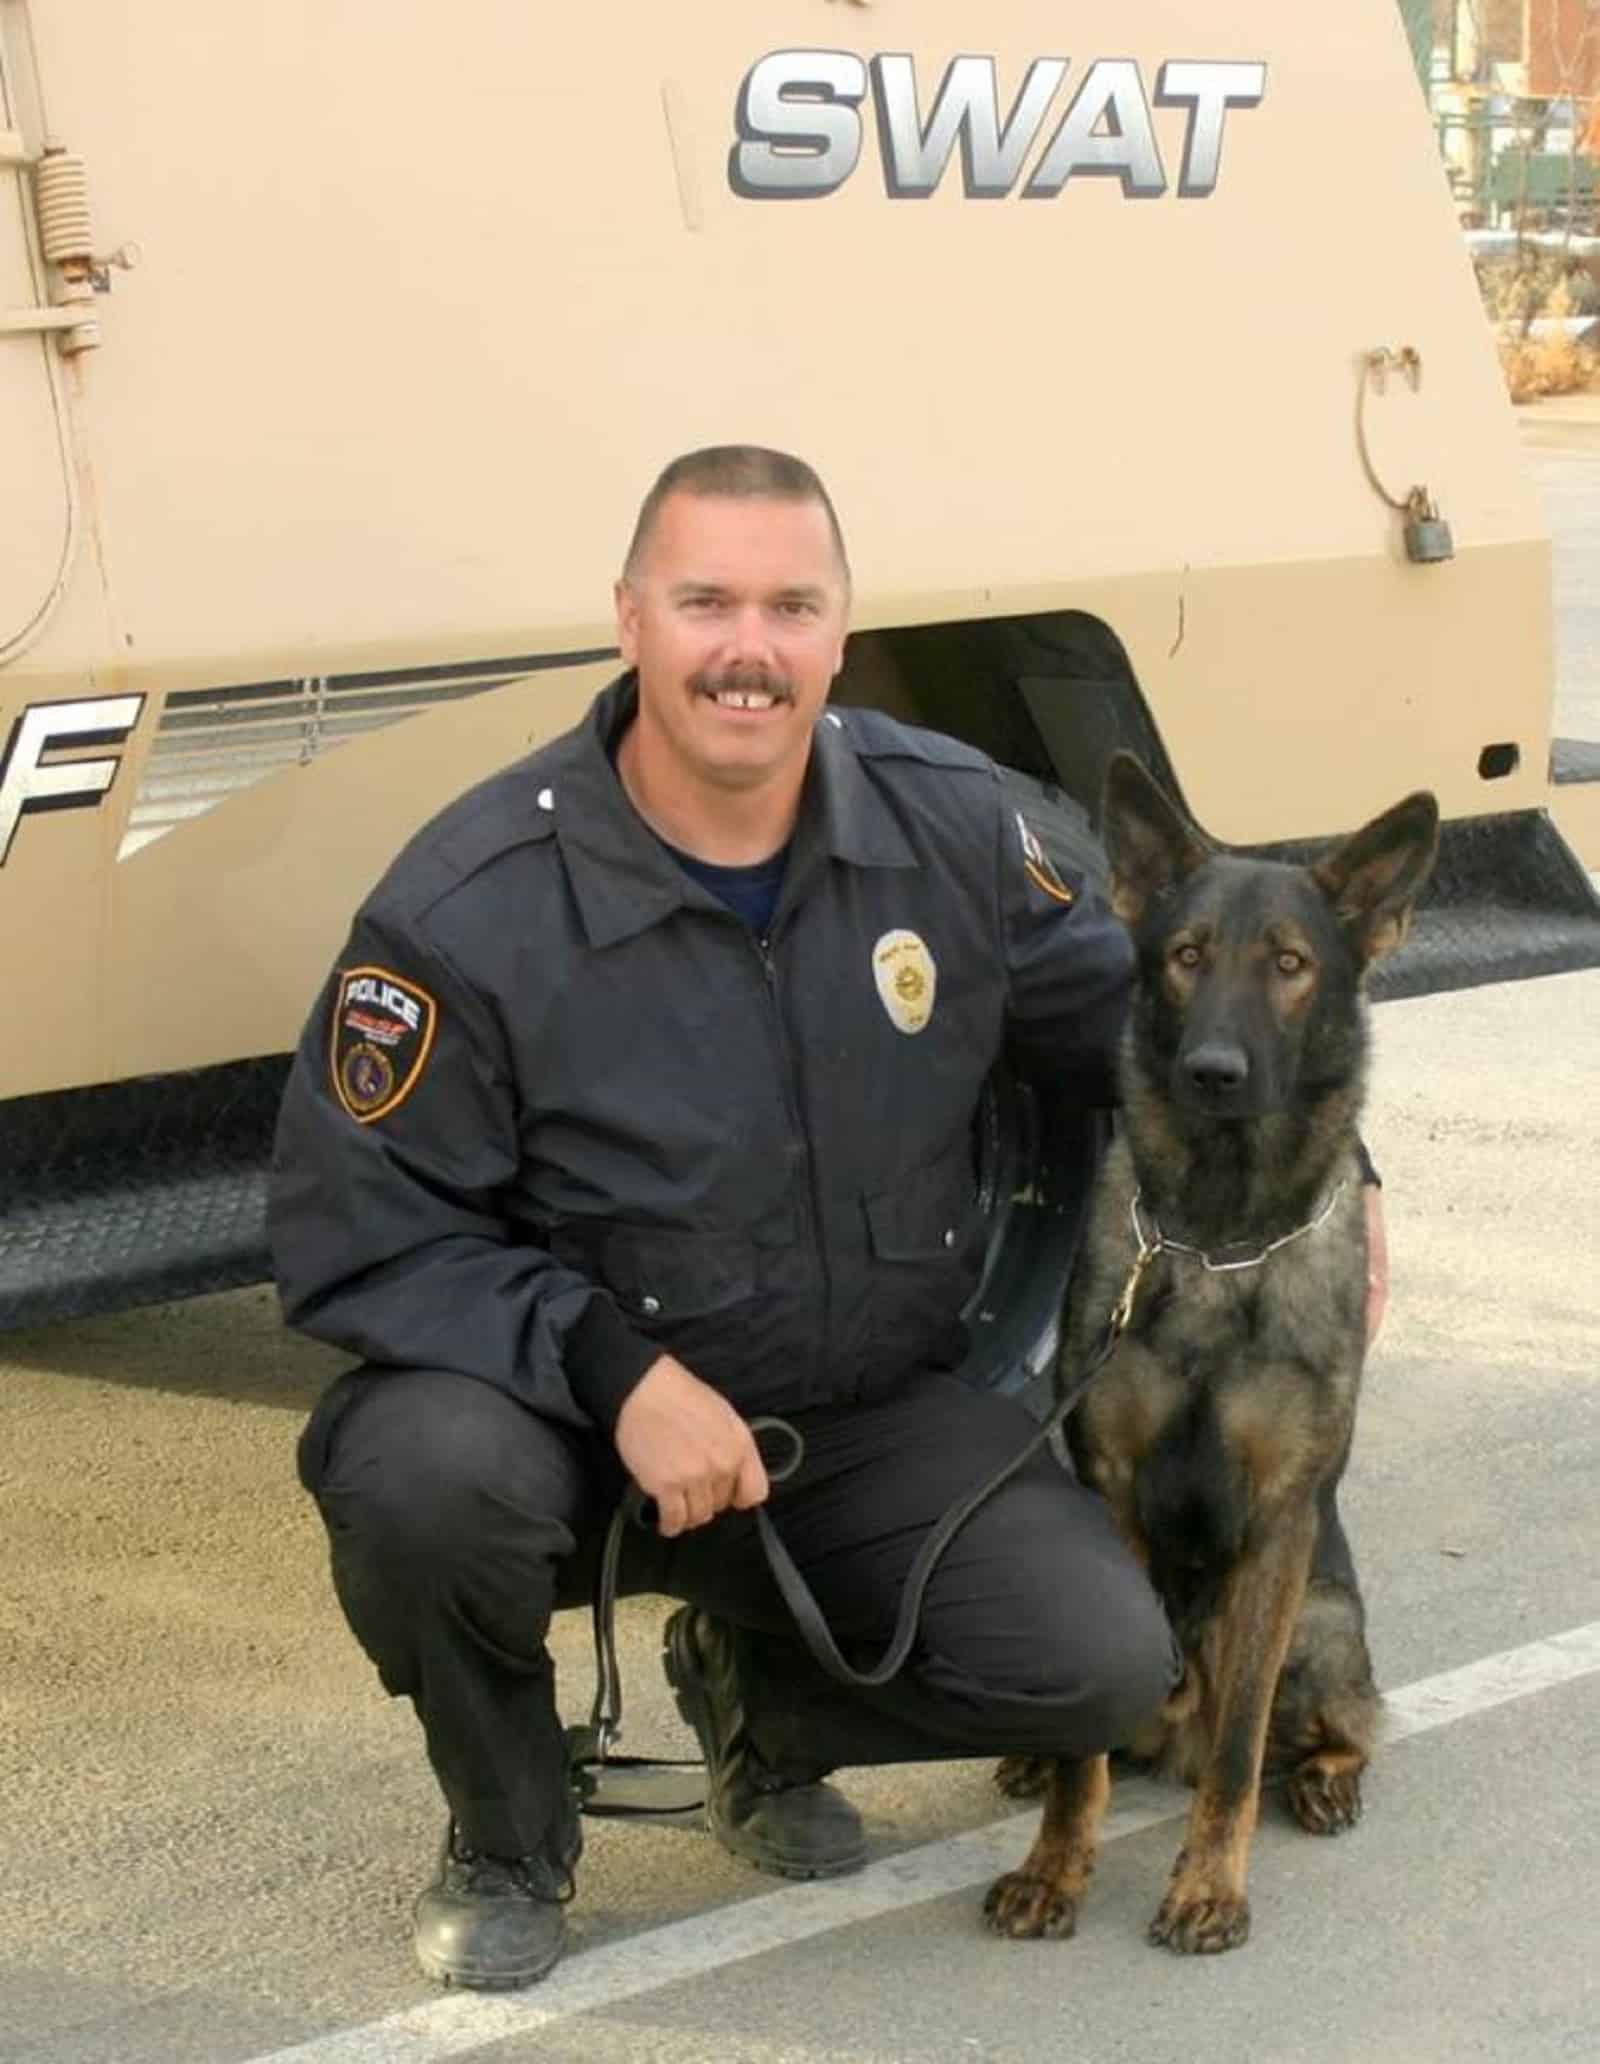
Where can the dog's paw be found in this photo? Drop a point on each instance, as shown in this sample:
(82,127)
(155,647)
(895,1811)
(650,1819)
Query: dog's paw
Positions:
(1325,1798)
(1201,1927)
(1029,1909)
(1022,1777)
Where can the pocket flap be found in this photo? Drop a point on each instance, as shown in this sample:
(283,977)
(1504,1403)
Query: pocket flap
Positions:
(670,1275)
(928,1216)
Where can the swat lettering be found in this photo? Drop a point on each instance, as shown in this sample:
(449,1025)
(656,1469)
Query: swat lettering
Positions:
(800,131)
(29,782)
(365,989)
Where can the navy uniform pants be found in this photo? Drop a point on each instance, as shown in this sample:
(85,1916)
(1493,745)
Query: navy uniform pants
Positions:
(460,1520)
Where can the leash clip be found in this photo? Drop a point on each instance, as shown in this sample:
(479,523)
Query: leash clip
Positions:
(1122,1310)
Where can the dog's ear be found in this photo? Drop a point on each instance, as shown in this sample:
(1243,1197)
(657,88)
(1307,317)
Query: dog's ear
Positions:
(1373,878)
(1150,843)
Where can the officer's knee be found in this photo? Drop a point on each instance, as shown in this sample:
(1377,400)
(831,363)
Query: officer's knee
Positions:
(1080,1687)
(1114,1684)
(1107,1670)
(1071,1653)
(418,1487)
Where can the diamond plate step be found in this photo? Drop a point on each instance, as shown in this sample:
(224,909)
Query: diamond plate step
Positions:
(135,1192)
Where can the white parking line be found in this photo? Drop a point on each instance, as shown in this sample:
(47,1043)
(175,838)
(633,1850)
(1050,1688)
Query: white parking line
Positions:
(455,2024)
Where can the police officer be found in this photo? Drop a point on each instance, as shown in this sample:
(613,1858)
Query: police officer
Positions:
(640,1103)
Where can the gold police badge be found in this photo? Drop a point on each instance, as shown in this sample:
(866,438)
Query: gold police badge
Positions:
(907,979)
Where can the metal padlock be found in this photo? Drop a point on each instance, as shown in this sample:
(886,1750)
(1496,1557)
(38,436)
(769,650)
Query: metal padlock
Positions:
(1428,539)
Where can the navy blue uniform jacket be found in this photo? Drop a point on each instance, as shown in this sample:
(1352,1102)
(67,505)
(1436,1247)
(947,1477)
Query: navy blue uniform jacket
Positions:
(559,1110)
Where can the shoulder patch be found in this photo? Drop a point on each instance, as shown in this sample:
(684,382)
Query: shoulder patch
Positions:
(383,1028)
(1038,866)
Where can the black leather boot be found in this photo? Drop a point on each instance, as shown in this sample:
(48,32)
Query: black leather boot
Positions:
(794,1827)
(495,1922)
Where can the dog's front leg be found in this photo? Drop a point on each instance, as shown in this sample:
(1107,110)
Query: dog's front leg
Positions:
(1205,1909)
(1042,1898)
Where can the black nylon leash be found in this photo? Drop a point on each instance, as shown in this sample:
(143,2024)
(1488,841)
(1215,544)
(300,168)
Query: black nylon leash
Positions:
(590,1748)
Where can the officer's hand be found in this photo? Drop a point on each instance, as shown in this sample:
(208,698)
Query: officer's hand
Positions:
(687,1448)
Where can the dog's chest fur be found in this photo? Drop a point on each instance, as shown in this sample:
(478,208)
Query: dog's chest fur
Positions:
(1229,1392)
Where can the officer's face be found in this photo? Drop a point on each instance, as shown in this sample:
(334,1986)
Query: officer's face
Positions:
(735,617)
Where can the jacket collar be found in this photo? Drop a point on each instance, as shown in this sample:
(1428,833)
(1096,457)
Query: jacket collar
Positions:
(625,880)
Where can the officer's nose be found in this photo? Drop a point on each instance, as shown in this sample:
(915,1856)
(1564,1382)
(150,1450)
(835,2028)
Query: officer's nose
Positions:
(749,639)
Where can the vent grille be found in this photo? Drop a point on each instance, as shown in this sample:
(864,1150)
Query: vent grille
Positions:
(214,743)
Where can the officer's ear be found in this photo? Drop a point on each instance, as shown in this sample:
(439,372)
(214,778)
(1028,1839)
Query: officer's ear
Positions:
(627,608)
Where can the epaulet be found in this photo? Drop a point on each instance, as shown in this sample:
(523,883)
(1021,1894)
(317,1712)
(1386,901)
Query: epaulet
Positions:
(877,737)
(512,808)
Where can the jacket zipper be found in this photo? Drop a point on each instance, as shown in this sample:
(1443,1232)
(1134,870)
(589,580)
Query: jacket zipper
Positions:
(791,1095)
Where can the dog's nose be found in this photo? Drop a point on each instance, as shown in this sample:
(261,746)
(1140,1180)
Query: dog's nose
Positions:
(1216,1070)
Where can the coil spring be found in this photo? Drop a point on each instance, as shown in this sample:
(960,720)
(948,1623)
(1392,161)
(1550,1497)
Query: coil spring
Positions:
(61,190)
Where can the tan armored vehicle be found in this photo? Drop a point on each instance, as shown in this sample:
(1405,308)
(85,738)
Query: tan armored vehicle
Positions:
(337,348)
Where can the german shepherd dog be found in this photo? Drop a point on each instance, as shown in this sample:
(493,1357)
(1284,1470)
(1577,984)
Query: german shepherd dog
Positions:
(1229,1225)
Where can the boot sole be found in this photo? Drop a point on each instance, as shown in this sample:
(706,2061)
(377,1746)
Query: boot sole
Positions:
(464,1981)
(765,1861)
(692,1710)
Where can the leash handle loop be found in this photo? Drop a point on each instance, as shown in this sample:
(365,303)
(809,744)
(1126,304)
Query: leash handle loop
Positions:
(635,1509)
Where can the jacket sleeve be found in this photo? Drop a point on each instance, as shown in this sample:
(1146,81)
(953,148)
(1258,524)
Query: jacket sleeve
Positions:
(397,1144)
(1069,961)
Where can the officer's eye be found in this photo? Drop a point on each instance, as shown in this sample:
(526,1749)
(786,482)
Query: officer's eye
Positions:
(1290,963)
(1187,956)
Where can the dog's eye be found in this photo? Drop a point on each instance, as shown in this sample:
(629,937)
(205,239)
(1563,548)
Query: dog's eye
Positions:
(1290,963)
(1187,956)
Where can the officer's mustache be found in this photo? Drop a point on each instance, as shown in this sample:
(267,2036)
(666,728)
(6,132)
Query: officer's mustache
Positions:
(742,680)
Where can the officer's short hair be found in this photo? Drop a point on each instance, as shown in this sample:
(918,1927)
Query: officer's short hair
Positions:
(740,472)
